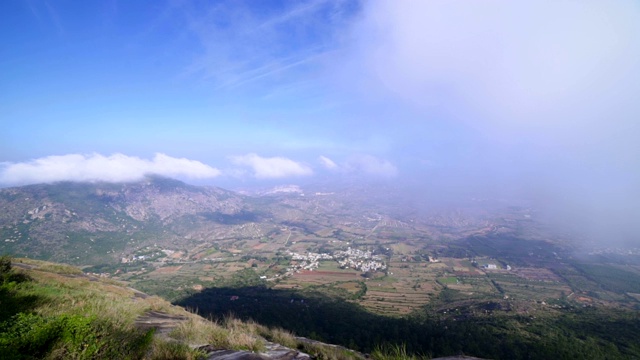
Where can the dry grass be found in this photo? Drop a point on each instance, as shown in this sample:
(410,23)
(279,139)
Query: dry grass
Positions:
(51,267)
(167,350)
(395,352)
(243,341)
(198,331)
(235,324)
(328,352)
(66,294)
(282,337)
(244,335)
(233,333)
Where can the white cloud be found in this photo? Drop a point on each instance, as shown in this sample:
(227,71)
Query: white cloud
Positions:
(273,167)
(538,95)
(96,167)
(327,163)
(554,69)
(371,165)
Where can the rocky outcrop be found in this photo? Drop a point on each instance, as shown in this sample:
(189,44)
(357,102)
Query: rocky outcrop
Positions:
(273,352)
(164,323)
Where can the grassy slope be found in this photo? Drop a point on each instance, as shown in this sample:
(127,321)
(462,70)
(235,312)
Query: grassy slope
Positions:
(52,311)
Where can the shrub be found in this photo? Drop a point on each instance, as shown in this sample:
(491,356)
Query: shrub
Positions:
(5,265)
(30,336)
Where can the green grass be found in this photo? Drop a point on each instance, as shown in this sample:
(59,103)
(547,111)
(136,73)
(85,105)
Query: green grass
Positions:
(395,352)
(52,311)
(61,316)
(448,280)
(612,278)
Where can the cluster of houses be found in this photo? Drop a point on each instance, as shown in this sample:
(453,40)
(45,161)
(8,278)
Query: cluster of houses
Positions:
(351,258)
(308,261)
(360,260)
(495,267)
(147,257)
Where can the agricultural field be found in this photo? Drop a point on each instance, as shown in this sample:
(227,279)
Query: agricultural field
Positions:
(414,270)
(388,259)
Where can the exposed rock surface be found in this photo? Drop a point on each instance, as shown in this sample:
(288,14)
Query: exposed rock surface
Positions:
(273,351)
(163,323)
(99,222)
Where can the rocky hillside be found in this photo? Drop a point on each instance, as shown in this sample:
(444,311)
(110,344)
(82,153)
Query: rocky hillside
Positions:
(94,222)
(102,223)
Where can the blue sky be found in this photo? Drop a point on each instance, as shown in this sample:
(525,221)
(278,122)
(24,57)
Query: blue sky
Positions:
(144,72)
(537,99)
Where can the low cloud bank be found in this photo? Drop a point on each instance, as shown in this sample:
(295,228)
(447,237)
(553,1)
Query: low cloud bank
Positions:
(371,165)
(272,167)
(327,163)
(96,167)
(361,165)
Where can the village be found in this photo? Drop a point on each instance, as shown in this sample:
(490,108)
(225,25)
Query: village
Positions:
(356,259)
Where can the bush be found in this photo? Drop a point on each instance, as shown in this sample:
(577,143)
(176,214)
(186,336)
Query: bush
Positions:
(31,336)
(5,265)
(7,275)
(28,334)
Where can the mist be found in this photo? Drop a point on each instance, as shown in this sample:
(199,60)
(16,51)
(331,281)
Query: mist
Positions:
(533,101)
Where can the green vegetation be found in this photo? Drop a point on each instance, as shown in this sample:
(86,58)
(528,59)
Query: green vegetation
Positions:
(52,311)
(42,317)
(447,280)
(394,352)
(28,335)
(611,277)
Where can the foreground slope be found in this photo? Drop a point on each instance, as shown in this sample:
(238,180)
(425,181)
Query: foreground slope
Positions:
(54,311)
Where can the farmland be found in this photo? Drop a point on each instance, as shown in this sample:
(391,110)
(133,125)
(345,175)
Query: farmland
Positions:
(413,276)
(389,264)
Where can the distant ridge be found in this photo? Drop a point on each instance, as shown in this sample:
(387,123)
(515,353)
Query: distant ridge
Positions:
(96,222)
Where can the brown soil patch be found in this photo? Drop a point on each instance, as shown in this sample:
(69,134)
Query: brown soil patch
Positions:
(537,274)
(331,273)
(167,270)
